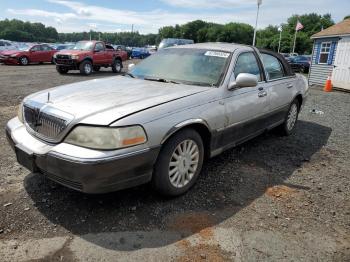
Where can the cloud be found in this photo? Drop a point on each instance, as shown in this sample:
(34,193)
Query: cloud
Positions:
(79,15)
(205,4)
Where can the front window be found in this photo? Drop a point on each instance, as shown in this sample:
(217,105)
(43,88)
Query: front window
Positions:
(99,47)
(247,63)
(184,65)
(84,46)
(24,48)
(324,52)
(36,48)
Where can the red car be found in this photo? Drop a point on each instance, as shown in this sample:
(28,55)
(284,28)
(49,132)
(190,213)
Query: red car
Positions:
(37,53)
(89,56)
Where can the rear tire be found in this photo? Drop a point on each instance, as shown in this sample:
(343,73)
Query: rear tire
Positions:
(291,118)
(61,70)
(117,66)
(86,68)
(23,60)
(179,163)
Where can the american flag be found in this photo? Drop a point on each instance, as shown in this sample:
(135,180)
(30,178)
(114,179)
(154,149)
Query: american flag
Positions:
(299,26)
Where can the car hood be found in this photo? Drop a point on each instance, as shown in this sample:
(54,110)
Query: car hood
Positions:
(103,101)
(11,52)
(73,52)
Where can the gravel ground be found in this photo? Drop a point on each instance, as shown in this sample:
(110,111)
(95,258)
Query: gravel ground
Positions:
(271,199)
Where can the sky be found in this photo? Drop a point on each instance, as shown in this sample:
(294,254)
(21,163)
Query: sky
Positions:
(148,16)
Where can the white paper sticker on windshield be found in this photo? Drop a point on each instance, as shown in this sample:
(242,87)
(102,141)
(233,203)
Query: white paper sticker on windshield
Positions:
(217,53)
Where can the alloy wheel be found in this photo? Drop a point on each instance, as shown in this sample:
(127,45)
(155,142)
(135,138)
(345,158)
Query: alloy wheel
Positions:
(292,116)
(183,163)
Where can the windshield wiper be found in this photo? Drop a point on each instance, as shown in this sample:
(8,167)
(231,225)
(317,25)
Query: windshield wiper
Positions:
(160,80)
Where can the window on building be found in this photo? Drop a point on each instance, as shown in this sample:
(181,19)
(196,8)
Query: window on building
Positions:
(324,52)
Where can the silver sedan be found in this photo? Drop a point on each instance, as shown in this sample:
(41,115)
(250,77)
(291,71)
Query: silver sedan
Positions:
(158,122)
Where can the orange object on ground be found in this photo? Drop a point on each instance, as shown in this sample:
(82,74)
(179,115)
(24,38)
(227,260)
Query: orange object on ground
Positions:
(328,86)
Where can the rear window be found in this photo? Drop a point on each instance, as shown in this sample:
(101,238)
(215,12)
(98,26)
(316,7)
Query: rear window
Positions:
(273,67)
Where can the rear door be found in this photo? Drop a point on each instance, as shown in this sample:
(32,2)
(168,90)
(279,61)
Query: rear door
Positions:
(246,108)
(47,53)
(281,88)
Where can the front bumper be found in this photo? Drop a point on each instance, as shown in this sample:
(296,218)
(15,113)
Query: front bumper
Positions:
(89,174)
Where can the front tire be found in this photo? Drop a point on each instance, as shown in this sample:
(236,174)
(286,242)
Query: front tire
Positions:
(288,126)
(117,66)
(179,163)
(23,60)
(86,68)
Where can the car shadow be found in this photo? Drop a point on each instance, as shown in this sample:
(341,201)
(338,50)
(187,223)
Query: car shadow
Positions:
(227,184)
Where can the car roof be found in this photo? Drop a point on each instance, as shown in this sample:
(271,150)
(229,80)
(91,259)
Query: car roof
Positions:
(228,47)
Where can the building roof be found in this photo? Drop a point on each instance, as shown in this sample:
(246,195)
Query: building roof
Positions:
(340,29)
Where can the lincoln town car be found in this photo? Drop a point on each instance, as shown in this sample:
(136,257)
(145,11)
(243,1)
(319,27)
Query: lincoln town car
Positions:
(158,122)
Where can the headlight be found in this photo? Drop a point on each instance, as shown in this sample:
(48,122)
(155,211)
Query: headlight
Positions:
(55,56)
(106,138)
(74,57)
(14,55)
(20,112)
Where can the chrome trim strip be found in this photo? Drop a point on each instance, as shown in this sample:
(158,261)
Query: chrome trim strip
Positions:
(99,160)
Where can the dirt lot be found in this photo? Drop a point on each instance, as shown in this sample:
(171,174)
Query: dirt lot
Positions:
(271,199)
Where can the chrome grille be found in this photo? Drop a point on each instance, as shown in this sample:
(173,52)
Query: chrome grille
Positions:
(43,123)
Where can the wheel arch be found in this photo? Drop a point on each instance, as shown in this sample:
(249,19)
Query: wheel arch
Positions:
(88,58)
(199,125)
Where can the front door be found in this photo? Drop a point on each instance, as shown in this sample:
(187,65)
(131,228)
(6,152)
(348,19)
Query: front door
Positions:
(341,71)
(246,107)
(99,54)
(35,54)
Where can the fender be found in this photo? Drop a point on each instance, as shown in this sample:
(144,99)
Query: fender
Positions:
(183,124)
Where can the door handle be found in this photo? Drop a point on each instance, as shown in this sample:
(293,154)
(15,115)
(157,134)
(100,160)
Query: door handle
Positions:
(289,86)
(262,94)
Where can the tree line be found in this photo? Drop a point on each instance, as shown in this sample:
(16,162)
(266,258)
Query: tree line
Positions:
(199,31)
(17,30)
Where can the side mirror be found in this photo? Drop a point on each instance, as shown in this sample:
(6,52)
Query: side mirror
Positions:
(243,80)
(131,66)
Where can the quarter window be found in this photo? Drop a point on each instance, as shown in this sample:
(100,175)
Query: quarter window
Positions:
(324,52)
(247,63)
(273,66)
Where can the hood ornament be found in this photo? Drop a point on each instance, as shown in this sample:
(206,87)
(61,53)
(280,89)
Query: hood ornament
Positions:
(48,98)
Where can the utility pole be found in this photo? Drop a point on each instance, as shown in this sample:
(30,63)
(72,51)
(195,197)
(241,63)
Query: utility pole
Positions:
(279,42)
(256,21)
(132,28)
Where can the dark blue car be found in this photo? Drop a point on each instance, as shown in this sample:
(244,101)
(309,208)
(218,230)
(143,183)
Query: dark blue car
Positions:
(300,63)
(140,53)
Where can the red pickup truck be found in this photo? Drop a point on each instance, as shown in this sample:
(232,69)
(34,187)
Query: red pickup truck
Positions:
(89,56)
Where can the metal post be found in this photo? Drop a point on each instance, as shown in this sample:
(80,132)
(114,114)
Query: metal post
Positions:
(295,38)
(279,42)
(256,21)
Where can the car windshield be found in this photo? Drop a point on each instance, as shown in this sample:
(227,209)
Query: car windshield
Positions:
(83,46)
(184,65)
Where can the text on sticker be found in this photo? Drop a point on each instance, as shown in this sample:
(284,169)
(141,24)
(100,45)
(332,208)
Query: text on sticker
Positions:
(217,53)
